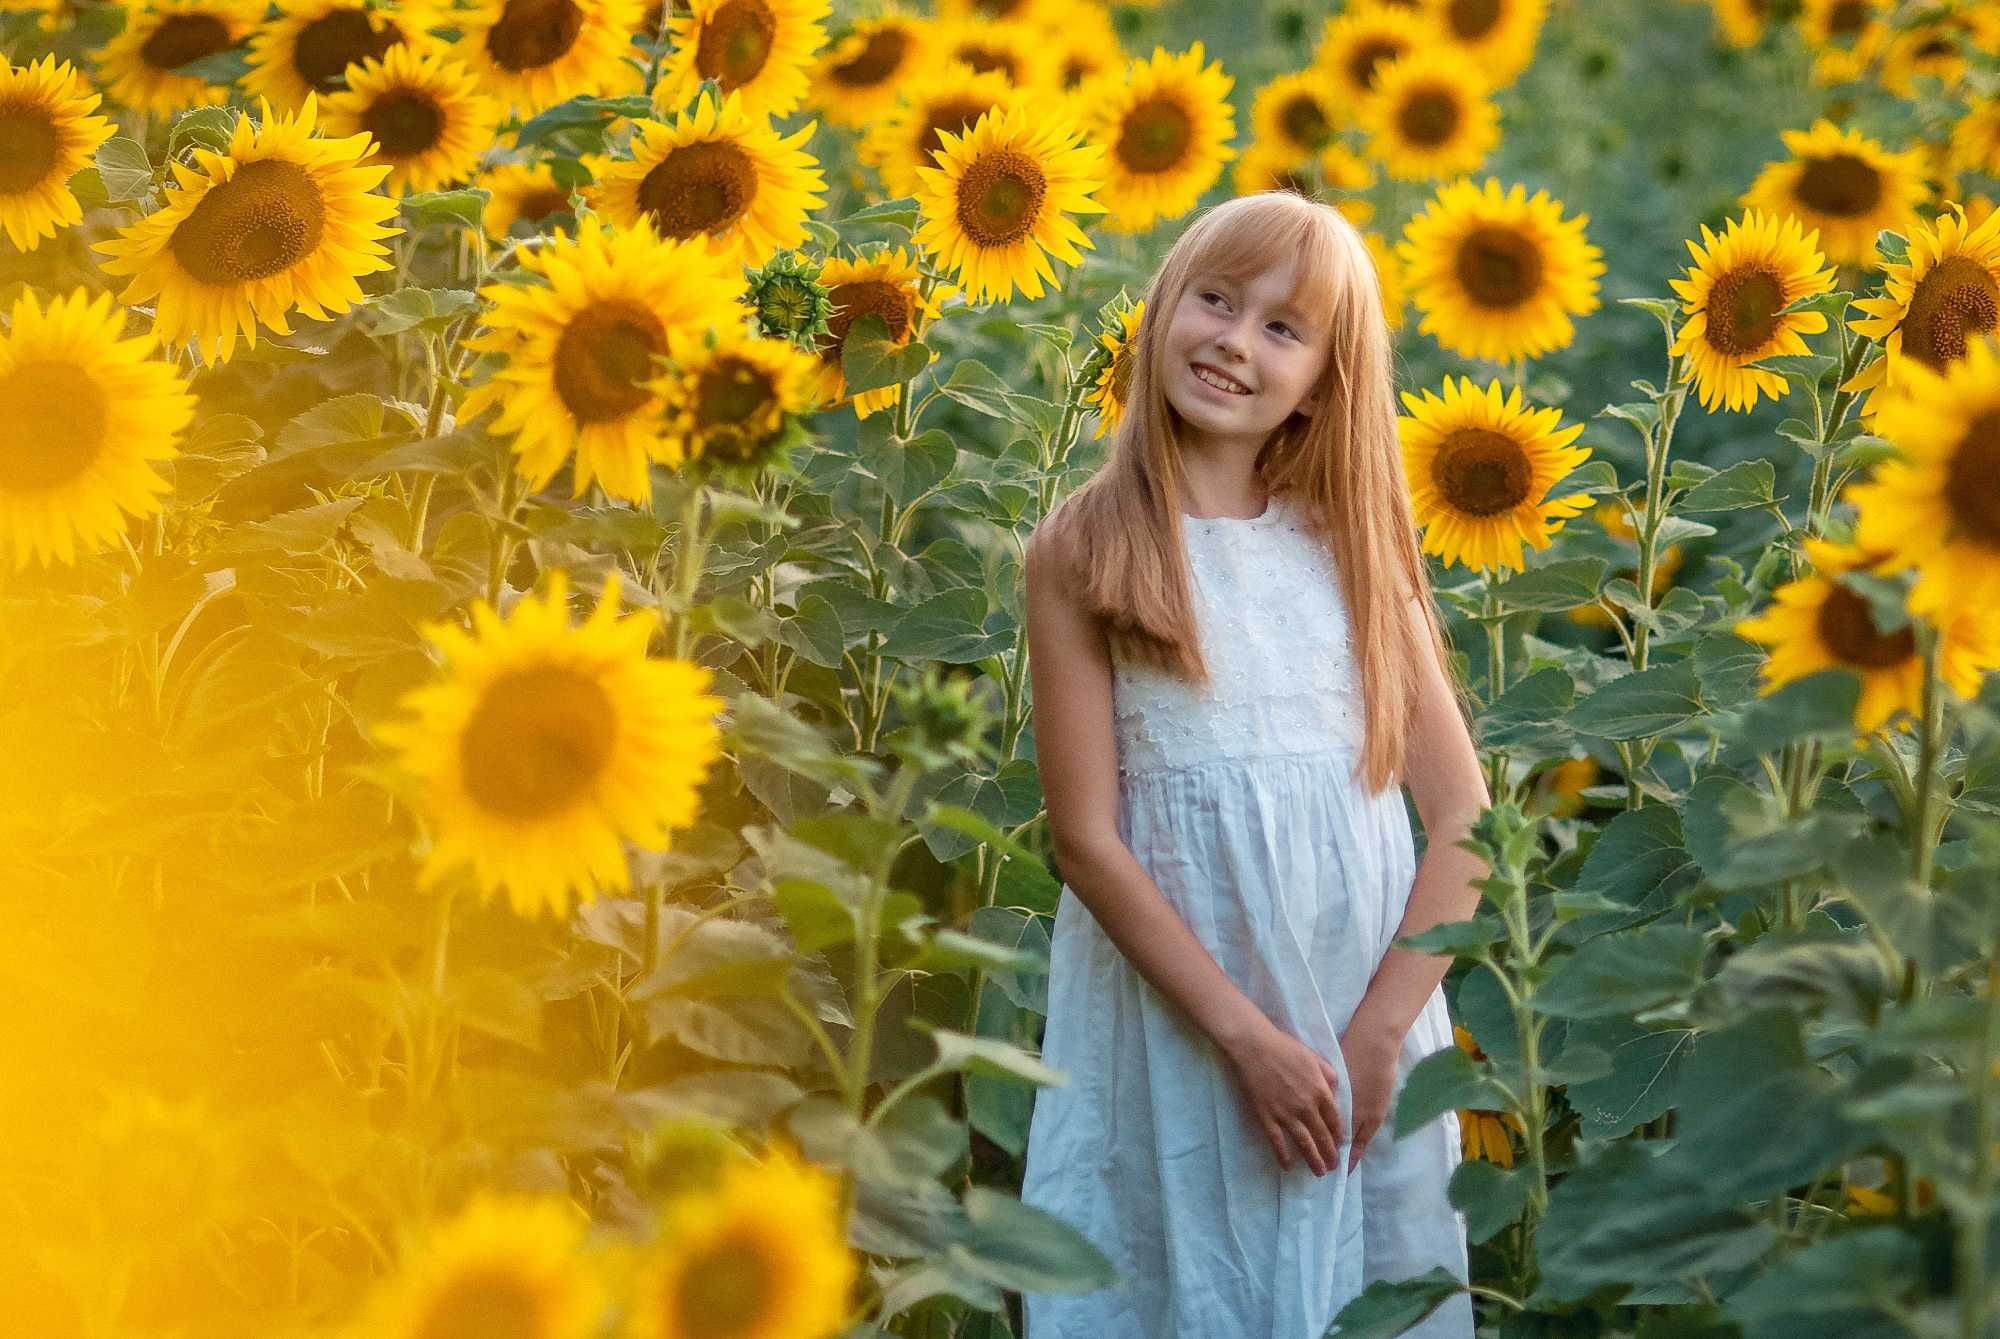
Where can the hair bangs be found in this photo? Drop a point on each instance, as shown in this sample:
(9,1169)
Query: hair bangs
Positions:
(1242,238)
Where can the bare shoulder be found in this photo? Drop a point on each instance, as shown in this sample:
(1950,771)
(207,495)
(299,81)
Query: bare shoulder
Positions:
(1069,666)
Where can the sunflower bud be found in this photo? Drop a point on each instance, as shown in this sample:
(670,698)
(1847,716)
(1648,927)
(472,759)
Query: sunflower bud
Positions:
(789,300)
(941,720)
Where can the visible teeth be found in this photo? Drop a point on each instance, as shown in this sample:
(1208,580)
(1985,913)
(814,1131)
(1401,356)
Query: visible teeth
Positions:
(1215,379)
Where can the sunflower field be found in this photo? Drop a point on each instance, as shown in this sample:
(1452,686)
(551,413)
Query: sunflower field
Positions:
(518,815)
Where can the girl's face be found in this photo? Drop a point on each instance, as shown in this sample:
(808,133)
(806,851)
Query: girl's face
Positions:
(1241,356)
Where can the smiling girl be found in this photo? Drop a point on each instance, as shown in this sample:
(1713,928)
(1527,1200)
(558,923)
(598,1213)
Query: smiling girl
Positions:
(1236,669)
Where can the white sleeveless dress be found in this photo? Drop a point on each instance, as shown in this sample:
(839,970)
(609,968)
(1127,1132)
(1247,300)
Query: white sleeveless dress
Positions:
(1242,805)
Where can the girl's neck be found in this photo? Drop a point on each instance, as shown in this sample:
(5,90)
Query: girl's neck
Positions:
(1220,478)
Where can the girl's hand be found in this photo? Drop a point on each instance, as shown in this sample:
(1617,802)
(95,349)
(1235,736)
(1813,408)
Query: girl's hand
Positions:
(1371,1070)
(1290,1089)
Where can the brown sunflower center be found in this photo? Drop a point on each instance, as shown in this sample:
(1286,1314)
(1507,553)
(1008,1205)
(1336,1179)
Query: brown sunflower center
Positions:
(1000,197)
(1482,472)
(54,429)
(343,37)
(1498,267)
(538,205)
(879,58)
(1305,122)
(1957,298)
(998,9)
(182,38)
(1428,117)
(28,148)
(1471,20)
(1743,307)
(1076,69)
(1155,136)
(1849,633)
(604,360)
(404,121)
(953,117)
(260,222)
(725,1290)
(852,301)
(699,188)
(1367,56)
(1972,482)
(1849,16)
(735,404)
(534,33)
(1840,184)
(487,1303)
(735,43)
(1936,48)
(984,58)
(537,741)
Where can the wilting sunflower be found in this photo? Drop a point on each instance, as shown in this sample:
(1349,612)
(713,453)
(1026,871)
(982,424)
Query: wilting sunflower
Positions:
(1167,124)
(309,46)
(1431,116)
(88,412)
(284,221)
(1498,35)
(762,1255)
(505,1265)
(139,68)
(1482,1134)
(1016,51)
(859,75)
(1936,508)
(47,135)
(1297,113)
(1497,274)
(1845,35)
(718,176)
(518,192)
(545,749)
(1356,45)
(1735,298)
(532,54)
(951,100)
(1845,186)
(583,374)
(885,284)
(1941,298)
(999,202)
(734,393)
(1818,622)
(1113,390)
(429,121)
(1480,465)
(762,49)
(1389,276)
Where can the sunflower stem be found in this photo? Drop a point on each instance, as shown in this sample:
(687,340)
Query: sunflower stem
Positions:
(1923,836)
(687,570)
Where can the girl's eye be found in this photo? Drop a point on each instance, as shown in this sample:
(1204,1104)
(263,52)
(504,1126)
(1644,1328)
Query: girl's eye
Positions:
(1280,325)
(1211,293)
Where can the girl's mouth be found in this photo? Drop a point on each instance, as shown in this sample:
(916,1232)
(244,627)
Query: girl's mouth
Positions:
(1220,380)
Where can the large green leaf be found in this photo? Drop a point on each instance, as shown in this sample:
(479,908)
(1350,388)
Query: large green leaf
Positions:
(1625,972)
(1386,1309)
(1649,702)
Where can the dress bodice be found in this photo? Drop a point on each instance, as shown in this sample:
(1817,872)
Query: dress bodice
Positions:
(1276,635)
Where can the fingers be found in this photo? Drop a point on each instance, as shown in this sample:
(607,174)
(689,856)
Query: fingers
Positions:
(1312,1142)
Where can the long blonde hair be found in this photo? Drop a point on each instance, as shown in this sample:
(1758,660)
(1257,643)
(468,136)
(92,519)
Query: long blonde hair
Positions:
(1342,463)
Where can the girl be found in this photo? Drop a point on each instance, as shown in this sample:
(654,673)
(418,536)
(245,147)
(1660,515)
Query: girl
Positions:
(1234,655)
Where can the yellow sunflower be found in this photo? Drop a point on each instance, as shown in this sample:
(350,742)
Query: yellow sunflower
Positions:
(1562,788)
(546,749)
(1935,48)
(88,412)
(427,118)
(1084,46)
(1389,276)
(1845,36)
(1016,51)
(762,49)
(1167,124)
(1336,174)
(1480,465)
(1735,298)
(1499,275)
(717,176)
(762,1255)
(1818,623)
(521,192)
(859,75)
(309,46)
(139,67)
(1431,116)
(47,135)
(950,99)
(1942,297)
(1975,140)
(1044,14)
(1742,21)
(284,221)
(1935,508)
(1498,35)
(1481,1133)
(887,284)
(1297,113)
(532,54)
(1114,384)
(999,202)
(1844,186)
(1355,45)
(1267,167)
(734,393)
(505,1265)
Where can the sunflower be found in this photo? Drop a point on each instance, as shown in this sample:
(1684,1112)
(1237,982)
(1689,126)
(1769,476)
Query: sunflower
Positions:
(309,46)
(1937,48)
(1167,124)
(1562,787)
(1043,14)
(1083,47)
(427,118)
(1482,1133)
(1015,51)
(284,221)
(505,1265)
(950,99)
(1116,346)
(532,54)
(1297,113)
(716,175)
(1735,298)
(1936,302)
(1843,185)
(1355,45)
(856,82)
(1389,276)
(885,284)
(1266,167)
(139,67)
(998,203)
(88,414)
(545,748)
(1935,508)
(522,193)
(1665,564)
(1498,35)
(1480,466)
(762,1255)
(763,49)
(1430,116)
(1975,140)
(1499,275)
(1845,35)
(47,135)
(735,392)
(1742,21)
(1818,622)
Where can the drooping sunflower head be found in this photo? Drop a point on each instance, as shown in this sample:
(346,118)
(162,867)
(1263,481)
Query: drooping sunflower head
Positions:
(1937,302)
(141,68)
(884,283)
(309,46)
(1115,349)
(1298,114)
(545,748)
(1166,123)
(532,54)
(761,49)
(47,135)
(1356,44)
(1735,298)
(1480,466)
(429,121)
(948,100)
(737,395)
(1497,274)
(1431,116)
(859,75)
(530,194)
(507,1265)
(284,221)
(1844,186)
(1013,50)
(89,413)
(1498,36)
